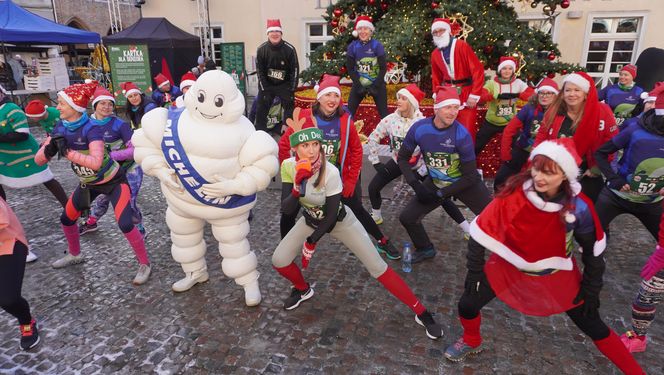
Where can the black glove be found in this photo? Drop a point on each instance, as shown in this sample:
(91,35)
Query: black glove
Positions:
(590,300)
(13,137)
(507,95)
(61,144)
(616,182)
(473,281)
(424,194)
(381,169)
(51,149)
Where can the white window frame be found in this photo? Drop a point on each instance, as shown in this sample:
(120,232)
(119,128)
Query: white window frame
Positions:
(588,37)
(540,17)
(214,41)
(307,39)
(320,3)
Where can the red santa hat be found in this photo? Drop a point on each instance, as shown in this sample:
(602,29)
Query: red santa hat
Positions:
(161,80)
(329,83)
(547,84)
(658,93)
(274,25)
(78,95)
(101,94)
(413,94)
(35,109)
(446,95)
(629,68)
(129,88)
(652,95)
(187,80)
(563,152)
(507,61)
(441,23)
(363,21)
(579,80)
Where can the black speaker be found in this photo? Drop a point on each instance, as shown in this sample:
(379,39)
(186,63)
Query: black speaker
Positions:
(138,3)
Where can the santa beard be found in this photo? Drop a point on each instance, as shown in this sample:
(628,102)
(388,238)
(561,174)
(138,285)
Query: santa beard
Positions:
(442,41)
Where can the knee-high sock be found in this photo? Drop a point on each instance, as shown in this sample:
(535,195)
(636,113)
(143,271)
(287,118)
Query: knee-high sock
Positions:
(617,353)
(137,243)
(73,238)
(471,331)
(395,285)
(293,274)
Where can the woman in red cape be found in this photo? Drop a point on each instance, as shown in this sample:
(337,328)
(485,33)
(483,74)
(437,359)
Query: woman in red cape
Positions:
(528,229)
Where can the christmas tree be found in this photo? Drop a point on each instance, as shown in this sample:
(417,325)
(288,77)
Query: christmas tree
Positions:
(491,27)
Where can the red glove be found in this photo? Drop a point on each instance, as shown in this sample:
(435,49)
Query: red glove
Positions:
(413,160)
(308,250)
(348,190)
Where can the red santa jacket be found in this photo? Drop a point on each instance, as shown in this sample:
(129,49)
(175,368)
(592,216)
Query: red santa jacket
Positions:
(352,165)
(464,65)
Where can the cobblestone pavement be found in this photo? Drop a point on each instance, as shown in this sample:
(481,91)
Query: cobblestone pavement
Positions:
(94,321)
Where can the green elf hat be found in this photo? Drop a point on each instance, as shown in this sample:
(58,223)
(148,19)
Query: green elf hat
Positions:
(304,128)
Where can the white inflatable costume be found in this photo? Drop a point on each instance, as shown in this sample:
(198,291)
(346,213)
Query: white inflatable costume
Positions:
(211,162)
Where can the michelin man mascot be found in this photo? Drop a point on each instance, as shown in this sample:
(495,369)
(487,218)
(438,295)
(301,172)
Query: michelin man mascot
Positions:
(211,162)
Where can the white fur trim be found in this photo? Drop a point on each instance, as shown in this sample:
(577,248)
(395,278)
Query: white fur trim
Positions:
(659,111)
(560,155)
(410,97)
(537,201)
(484,239)
(547,88)
(599,246)
(129,92)
(186,83)
(476,97)
(326,90)
(504,64)
(71,103)
(440,25)
(446,102)
(578,80)
(102,97)
(164,83)
(364,23)
(274,28)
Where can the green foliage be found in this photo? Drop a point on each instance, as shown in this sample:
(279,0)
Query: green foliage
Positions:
(403,27)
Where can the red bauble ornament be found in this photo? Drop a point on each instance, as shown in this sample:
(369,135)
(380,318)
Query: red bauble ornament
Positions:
(352,16)
(551,56)
(384,6)
(488,49)
(337,12)
(564,71)
(551,75)
(565,4)
(434,5)
(341,29)
(343,69)
(371,2)
(334,23)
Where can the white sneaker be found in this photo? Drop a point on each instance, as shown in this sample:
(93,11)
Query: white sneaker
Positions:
(68,260)
(191,279)
(142,275)
(252,294)
(31,257)
(378,219)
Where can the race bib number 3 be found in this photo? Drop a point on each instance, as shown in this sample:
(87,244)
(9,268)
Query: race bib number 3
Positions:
(82,171)
(396,142)
(504,111)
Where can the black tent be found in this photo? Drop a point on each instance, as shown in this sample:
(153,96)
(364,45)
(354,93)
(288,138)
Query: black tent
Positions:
(165,42)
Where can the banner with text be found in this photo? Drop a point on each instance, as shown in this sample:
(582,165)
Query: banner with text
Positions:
(129,63)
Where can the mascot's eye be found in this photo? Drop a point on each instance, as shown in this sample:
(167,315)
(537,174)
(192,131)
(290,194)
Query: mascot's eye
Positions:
(201,96)
(219,100)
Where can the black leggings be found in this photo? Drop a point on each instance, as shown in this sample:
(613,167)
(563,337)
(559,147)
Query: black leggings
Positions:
(379,97)
(592,186)
(475,197)
(471,304)
(609,205)
(265,99)
(53,186)
(511,167)
(378,183)
(12,268)
(118,193)
(354,203)
(487,130)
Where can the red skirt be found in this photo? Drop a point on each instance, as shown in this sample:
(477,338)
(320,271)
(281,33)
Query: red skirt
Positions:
(533,295)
